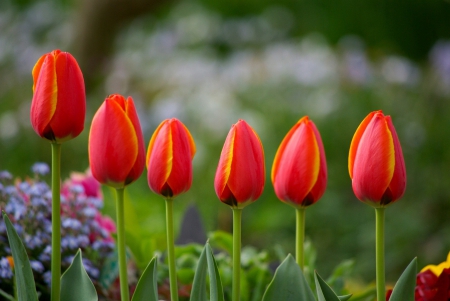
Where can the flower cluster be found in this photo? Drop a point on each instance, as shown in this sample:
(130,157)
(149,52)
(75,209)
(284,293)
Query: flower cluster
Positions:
(28,205)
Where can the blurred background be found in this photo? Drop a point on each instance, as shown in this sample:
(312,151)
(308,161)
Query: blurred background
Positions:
(212,62)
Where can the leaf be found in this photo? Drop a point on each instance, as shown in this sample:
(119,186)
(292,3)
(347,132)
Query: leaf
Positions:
(215,286)
(198,292)
(26,288)
(221,240)
(6,295)
(288,283)
(75,282)
(147,288)
(406,284)
(345,298)
(324,291)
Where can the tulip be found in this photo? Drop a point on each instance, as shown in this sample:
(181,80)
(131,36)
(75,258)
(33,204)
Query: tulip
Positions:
(375,162)
(117,158)
(299,171)
(59,102)
(299,174)
(169,162)
(169,159)
(239,181)
(240,174)
(377,170)
(116,143)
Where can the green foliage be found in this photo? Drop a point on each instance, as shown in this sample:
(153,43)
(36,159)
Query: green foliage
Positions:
(146,289)
(406,284)
(26,289)
(324,291)
(76,284)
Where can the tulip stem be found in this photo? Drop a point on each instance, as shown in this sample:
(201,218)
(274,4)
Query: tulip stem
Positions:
(171,250)
(56,222)
(237,217)
(379,238)
(120,214)
(300,236)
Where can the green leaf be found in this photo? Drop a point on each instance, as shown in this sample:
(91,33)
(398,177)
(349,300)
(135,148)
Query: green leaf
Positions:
(215,289)
(147,288)
(26,288)
(75,282)
(324,291)
(406,284)
(198,292)
(221,240)
(288,283)
(6,295)
(345,298)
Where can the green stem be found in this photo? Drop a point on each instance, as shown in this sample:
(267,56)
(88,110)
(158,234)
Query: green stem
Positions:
(379,238)
(300,236)
(56,222)
(120,213)
(171,250)
(237,217)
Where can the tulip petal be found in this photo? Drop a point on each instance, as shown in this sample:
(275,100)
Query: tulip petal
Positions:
(139,164)
(375,153)
(224,168)
(160,157)
(68,120)
(356,140)
(113,145)
(298,164)
(246,178)
(43,105)
(398,183)
(319,187)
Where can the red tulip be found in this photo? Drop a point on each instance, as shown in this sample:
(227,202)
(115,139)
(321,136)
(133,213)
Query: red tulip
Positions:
(240,174)
(299,171)
(375,161)
(59,102)
(169,158)
(116,143)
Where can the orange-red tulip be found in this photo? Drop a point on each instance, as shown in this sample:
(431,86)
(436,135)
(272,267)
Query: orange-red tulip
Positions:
(240,174)
(59,102)
(299,171)
(116,143)
(169,158)
(376,163)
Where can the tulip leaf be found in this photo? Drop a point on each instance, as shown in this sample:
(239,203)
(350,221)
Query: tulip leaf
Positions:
(76,284)
(207,265)
(288,283)
(345,298)
(26,288)
(147,288)
(324,291)
(406,284)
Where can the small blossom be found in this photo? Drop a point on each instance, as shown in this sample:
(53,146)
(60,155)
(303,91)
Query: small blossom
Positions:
(40,169)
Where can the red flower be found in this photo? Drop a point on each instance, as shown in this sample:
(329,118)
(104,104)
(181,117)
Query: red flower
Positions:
(299,171)
(376,163)
(59,102)
(241,171)
(116,143)
(169,158)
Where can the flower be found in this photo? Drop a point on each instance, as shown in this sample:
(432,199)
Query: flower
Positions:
(299,171)
(376,163)
(116,143)
(59,102)
(240,173)
(169,158)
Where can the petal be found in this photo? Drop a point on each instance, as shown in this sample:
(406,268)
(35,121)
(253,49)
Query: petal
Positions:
(224,167)
(298,165)
(180,178)
(43,105)
(356,140)
(321,183)
(139,164)
(68,119)
(113,145)
(246,178)
(398,183)
(374,161)
(160,157)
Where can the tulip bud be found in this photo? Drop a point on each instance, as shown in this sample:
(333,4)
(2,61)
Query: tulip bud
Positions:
(376,163)
(59,102)
(116,143)
(240,174)
(169,159)
(299,171)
